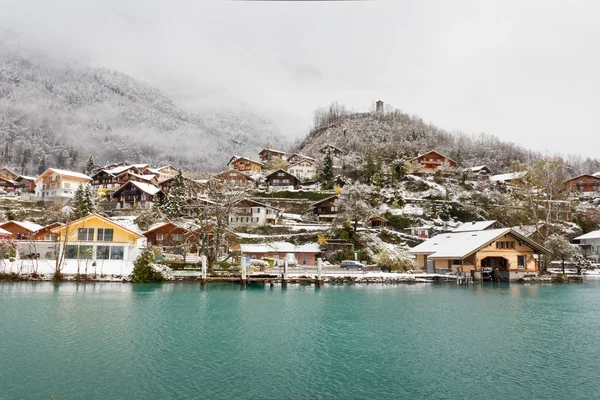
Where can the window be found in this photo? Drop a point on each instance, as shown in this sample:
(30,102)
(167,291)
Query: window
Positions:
(49,237)
(521,261)
(177,237)
(160,237)
(103,252)
(85,234)
(105,235)
(73,252)
(117,252)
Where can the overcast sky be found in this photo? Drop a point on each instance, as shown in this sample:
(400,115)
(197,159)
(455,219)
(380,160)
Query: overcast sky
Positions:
(526,71)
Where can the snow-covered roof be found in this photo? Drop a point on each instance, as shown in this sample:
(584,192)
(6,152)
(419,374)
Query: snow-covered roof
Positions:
(4,232)
(127,222)
(64,172)
(302,156)
(280,247)
(300,162)
(281,170)
(119,170)
(272,151)
(582,176)
(29,178)
(479,168)
(144,187)
(508,177)
(316,203)
(474,226)
(433,152)
(589,235)
(8,180)
(235,158)
(597,173)
(186,225)
(144,177)
(30,226)
(462,244)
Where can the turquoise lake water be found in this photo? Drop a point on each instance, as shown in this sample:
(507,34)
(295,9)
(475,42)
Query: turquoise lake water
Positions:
(179,341)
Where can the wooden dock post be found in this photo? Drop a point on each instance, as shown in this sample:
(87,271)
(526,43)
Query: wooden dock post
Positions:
(203,260)
(244,280)
(284,279)
(319,280)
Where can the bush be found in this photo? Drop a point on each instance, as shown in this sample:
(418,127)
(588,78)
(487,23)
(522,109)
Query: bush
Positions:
(398,221)
(143,271)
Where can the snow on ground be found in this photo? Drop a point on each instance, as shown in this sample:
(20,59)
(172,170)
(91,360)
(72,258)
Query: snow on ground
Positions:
(46,267)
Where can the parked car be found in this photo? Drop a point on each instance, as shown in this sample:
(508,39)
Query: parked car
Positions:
(351,264)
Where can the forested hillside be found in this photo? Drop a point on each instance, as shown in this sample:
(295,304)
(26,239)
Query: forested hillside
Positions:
(392,134)
(53,113)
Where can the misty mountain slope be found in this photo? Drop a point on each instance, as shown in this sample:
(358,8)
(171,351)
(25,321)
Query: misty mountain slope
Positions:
(394,134)
(68,113)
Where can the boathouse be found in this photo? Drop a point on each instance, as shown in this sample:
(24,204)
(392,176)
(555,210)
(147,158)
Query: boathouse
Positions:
(513,254)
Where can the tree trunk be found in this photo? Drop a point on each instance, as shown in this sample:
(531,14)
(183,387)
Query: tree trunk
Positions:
(563,265)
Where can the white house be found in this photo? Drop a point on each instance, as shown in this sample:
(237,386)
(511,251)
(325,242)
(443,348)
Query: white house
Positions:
(303,169)
(253,213)
(590,242)
(58,185)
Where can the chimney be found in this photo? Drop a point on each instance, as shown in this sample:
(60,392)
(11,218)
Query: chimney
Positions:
(379,106)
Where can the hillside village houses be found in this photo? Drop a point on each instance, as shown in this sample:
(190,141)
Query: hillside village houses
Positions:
(304,169)
(58,185)
(282,180)
(433,161)
(253,214)
(270,155)
(245,165)
(584,184)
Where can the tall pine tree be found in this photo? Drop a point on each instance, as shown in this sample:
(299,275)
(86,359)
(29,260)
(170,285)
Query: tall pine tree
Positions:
(83,203)
(175,203)
(42,164)
(326,173)
(89,166)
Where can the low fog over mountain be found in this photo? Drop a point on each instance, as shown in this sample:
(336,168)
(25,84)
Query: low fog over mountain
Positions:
(64,112)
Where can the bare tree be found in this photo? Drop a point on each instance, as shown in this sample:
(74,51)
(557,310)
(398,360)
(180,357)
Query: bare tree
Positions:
(354,203)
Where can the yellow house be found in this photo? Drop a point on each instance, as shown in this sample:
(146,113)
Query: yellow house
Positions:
(98,239)
(58,185)
(513,254)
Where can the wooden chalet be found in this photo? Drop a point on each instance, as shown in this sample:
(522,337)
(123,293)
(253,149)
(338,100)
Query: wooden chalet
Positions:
(378,222)
(8,174)
(584,184)
(244,164)
(136,195)
(46,233)
(232,177)
(514,255)
(129,175)
(297,157)
(175,237)
(272,155)
(480,171)
(326,208)
(7,185)
(335,152)
(21,230)
(282,180)
(25,184)
(432,161)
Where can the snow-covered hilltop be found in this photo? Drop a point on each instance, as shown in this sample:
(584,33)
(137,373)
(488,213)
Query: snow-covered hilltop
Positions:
(68,112)
(389,134)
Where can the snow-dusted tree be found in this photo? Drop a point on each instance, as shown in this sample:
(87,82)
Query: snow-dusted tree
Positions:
(560,249)
(42,165)
(89,166)
(326,171)
(213,218)
(83,202)
(174,203)
(543,189)
(354,204)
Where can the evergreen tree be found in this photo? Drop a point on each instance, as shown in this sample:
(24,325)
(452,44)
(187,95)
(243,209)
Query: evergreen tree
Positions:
(89,166)
(369,169)
(143,271)
(42,165)
(175,201)
(83,202)
(25,160)
(326,173)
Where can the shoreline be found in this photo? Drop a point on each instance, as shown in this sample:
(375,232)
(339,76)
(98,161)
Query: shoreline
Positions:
(331,280)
